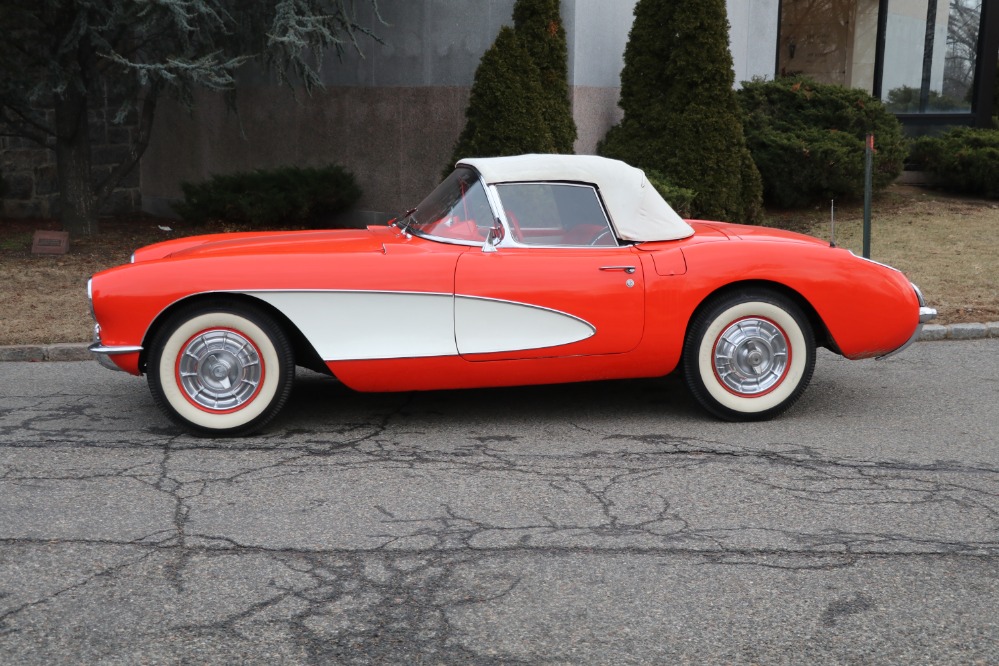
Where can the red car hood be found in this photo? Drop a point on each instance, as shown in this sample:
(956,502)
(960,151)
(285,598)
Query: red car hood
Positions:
(271,242)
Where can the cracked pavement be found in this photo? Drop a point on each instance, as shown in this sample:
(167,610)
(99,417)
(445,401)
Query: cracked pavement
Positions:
(595,523)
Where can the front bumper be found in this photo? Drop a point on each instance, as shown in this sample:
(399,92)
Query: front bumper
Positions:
(103,354)
(926,314)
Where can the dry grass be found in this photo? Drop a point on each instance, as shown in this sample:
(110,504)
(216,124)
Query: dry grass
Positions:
(947,245)
(43,298)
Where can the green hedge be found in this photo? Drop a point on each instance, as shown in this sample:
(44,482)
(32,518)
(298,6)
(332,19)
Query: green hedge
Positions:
(807,140)
(962,159)
(681,199)
(285,195)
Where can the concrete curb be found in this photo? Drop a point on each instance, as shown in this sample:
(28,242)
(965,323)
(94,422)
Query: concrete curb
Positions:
(33,353)
(78,351)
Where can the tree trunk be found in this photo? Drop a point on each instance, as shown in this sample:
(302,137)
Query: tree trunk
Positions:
(78,207)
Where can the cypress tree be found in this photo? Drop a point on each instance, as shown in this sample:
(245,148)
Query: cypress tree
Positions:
(538,24)
(681,115)
(504,114)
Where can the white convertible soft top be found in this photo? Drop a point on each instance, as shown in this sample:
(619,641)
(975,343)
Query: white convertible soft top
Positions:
(636,209)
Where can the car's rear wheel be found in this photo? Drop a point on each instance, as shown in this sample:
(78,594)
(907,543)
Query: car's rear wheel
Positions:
(749,355)
(220,369)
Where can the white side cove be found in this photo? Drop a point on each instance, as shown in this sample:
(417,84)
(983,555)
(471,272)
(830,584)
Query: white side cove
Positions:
(364,325)
(484,325)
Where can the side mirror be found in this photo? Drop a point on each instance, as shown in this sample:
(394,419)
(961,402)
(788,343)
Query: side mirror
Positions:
(493,238)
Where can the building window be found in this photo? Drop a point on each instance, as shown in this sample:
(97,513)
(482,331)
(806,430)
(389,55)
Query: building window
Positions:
(918,56)
(930,54)
(831,41)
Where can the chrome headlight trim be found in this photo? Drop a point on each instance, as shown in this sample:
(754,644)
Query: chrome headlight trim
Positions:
(90,298)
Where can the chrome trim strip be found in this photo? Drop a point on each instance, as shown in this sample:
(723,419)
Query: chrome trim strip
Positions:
(98,348)
(892,268)
(915,336)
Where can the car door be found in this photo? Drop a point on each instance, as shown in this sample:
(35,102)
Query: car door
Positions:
(559,284)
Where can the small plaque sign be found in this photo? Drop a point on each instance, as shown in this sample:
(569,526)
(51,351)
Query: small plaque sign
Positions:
(50,242)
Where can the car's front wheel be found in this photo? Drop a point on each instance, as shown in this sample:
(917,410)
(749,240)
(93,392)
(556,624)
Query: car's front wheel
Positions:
(220,369)
(749,355)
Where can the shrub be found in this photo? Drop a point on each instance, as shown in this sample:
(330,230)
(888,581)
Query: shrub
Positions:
(286,195)
(504,113)
(962,159)
(906,100)
(680,199)
(538,24)
(807,140)
(681,117)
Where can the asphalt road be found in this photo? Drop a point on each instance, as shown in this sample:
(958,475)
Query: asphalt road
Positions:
(598,523)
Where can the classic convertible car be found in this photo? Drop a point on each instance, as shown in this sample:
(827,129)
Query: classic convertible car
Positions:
(519,270)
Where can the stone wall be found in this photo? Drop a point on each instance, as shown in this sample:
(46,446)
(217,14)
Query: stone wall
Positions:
(31,179)
(31,186)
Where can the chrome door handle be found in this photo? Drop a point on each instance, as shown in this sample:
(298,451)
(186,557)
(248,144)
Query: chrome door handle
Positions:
(626,269)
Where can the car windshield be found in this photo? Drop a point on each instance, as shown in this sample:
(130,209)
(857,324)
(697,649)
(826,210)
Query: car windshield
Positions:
(457,210)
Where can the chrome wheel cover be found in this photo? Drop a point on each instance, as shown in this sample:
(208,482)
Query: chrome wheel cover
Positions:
(751,356)
(219,370)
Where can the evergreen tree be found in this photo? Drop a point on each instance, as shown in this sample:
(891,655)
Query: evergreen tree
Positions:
(995,99)
(538,24)
(681,116)
(60,57)
(504,115)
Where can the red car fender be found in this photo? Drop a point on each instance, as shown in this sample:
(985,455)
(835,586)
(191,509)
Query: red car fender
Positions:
(868,309)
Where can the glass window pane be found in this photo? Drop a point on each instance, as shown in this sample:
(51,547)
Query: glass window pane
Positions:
(930,50)
(555,214)
(831,41)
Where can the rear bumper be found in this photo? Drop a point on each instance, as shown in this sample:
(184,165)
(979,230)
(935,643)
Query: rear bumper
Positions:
(926,314)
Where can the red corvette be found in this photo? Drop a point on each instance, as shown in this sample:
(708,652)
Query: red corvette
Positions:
(515,270)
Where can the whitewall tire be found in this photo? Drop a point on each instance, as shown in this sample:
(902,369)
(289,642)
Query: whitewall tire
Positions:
(749,355)
(220,369)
